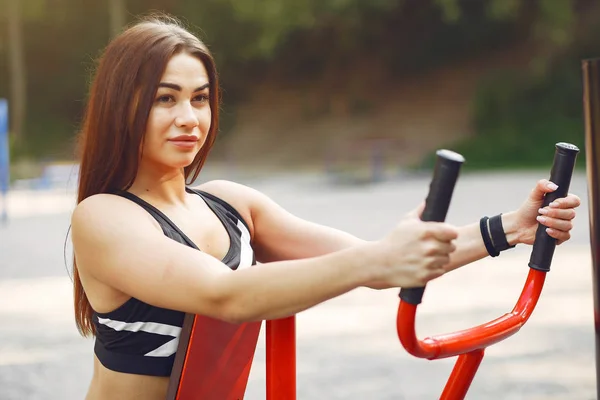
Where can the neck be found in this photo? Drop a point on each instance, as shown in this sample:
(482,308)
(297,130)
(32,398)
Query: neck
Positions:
(160,185)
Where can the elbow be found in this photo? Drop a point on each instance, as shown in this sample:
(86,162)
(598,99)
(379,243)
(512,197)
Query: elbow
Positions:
(236,313)
(231,306)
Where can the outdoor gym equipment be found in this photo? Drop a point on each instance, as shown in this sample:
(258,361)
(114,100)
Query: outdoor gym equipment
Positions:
(469,345)
(214,357)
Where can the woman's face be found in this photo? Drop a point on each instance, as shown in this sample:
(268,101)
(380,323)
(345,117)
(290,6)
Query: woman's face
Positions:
(180,117)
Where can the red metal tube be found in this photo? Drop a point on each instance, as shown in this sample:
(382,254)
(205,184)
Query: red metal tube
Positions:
(281,358)
(462,375)
(479,337)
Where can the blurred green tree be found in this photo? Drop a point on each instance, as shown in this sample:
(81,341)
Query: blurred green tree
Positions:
(48,59)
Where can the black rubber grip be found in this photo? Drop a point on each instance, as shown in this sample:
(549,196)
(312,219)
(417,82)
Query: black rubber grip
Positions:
(437,203)
(561,173)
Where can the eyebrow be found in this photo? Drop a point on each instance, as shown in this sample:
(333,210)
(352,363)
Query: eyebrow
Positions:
(178,88)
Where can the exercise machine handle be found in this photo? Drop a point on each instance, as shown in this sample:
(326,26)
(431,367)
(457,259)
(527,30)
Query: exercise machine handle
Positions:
(437,203)
(561,173)
(484,335)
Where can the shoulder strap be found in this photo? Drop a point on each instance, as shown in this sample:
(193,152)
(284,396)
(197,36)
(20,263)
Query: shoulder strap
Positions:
(228,207)
(165,223)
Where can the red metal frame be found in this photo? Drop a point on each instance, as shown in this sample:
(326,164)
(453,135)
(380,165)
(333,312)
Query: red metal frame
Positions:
(468,344)
(281,359)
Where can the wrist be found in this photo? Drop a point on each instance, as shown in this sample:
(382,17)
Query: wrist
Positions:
(510,223)
(368,263)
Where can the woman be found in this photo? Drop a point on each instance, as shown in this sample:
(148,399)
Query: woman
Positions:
(148,248)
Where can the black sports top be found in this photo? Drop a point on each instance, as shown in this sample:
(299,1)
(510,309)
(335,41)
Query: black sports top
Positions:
(139,338)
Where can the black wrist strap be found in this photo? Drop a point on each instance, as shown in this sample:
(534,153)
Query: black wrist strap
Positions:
(487,239)
(497,233)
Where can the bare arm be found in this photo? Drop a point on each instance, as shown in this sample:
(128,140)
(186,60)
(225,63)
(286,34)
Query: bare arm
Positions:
(281,235)
(520,226)
(278,234)
(117,244)
(470,246)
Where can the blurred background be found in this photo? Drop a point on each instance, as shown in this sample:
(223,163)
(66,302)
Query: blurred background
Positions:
(321,83)
(329,107)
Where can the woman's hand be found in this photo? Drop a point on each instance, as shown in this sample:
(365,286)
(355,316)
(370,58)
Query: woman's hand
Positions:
(412,254)
(557,217)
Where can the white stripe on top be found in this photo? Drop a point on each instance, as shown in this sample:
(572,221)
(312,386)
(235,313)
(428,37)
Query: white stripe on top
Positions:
(245,248)
(164,350)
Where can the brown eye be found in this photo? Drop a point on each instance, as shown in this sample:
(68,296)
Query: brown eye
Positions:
(203,98)
(164,99)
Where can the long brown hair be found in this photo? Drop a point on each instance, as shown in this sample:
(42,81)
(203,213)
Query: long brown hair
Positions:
(114,124)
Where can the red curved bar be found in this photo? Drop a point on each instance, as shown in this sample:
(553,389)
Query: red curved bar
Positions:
(479,337)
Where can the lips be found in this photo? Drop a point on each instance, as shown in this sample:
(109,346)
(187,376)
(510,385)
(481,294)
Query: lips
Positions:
(184,138)
(185,142)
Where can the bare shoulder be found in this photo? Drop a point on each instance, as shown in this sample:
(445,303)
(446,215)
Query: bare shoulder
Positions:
(118,245)
(103,208)
(103,216)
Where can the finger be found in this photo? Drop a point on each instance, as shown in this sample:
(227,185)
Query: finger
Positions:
(437,248)
(436,264)
(440,231)
(417,212)
(560,236)
(558,213)
(433,274)
(555,224)
(542,187)
(571,201)
(442,262)
(437,261)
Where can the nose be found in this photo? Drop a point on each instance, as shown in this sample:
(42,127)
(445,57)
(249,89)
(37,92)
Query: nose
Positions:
(186,117)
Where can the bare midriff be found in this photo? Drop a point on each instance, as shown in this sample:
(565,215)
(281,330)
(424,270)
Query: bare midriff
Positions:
(107,384)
